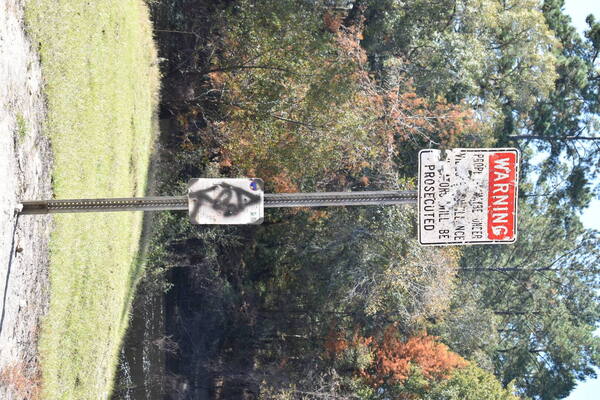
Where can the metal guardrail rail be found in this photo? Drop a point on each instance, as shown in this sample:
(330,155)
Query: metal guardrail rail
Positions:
(272,200)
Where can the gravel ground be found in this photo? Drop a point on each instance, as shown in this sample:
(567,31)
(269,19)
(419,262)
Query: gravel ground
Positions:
(25,165)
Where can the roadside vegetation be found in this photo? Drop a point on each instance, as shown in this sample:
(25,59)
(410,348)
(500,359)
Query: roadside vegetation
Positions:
(101,84)
(344,303)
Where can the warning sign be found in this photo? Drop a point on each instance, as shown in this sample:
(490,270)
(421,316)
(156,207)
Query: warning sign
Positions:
(468,196)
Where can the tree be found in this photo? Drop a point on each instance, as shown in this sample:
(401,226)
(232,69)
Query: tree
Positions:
(470,383)
(295,94)
(297,101)
(362,263)
(418,367)
(468,328)
(393,359)
(490,53)
(392,365)
(301,103)
(546,302)
(565,124)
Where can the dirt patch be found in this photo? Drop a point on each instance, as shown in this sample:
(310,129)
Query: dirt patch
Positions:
(25,165)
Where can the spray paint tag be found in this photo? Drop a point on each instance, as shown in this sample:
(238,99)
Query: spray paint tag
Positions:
(226,201)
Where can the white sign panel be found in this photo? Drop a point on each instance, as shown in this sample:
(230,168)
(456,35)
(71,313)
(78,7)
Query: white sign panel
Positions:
(468,196)
(226,201)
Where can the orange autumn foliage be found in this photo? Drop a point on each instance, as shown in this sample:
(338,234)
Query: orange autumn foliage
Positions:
(406,117)
(318,215)
(335,343)
(292,122)
(281,182)
(348,38)
(392,357)
(332,22)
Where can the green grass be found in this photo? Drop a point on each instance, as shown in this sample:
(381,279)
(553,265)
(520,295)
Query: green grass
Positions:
(21,127)
(101,83)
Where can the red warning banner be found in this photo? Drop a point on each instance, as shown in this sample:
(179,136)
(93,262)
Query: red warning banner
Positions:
(501,196)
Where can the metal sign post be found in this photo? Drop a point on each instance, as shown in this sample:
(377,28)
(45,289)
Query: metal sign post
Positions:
(222,201)
(465,196)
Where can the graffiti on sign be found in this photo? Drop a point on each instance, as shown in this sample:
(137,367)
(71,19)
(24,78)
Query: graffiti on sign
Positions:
(228,199)
(225,201)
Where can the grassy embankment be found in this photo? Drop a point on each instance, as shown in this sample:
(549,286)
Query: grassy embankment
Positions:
(101,82)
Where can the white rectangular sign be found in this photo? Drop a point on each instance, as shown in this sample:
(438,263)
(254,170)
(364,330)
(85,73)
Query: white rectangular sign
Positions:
(226,201)
(468,196)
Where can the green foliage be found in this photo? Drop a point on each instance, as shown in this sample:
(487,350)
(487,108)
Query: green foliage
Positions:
(353,269)
(299,98)
(363,263)
(565,125)
(21,127)
(470,383)
(293,95)
(543,291)
(300,105)
(468,328)
(487,52)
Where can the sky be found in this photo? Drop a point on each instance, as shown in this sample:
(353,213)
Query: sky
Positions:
(579,10)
